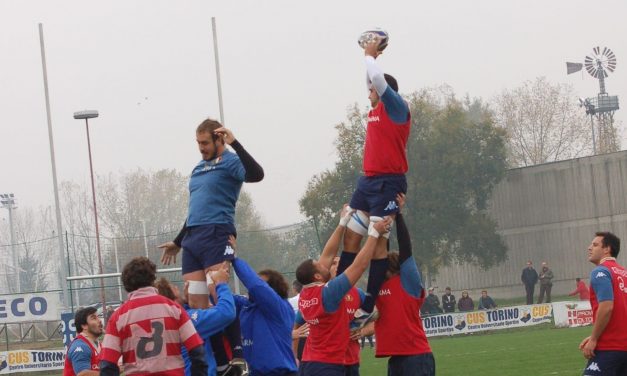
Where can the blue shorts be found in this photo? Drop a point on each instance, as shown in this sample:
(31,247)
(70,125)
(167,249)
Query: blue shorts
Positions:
(206,245)
(321,369)
(352,370)
(607,363)
(377,194)
(411,365)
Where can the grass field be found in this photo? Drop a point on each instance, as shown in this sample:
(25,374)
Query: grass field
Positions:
(541,350)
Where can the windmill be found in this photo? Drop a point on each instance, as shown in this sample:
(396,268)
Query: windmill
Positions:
(602,107)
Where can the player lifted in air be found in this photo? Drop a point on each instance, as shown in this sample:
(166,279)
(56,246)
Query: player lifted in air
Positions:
(384,165)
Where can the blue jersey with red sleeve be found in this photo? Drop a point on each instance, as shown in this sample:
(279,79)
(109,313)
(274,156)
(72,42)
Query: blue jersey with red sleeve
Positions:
(81,355)
(607,283)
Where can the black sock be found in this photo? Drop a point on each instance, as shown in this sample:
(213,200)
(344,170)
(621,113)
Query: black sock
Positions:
(346,259)
(376,277)
(233,333)
(217,345)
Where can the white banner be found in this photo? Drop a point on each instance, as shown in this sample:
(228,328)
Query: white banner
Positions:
(494,319)
(29,307)
(31,360)
(572,314)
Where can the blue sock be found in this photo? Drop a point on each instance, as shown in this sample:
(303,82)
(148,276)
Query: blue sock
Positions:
(376,277)
(346,259)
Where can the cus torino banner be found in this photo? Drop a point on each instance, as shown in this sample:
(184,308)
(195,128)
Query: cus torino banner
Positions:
(501,318)
(29,307)
(572,314)
(31,360)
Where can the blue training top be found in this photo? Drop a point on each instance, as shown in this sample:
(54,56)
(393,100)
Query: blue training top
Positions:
(266,322)
(209,322)
(213,190)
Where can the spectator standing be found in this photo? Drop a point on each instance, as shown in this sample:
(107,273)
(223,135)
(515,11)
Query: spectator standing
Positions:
(433,303)
(529,278)
(546,283)
(465,303)
(486,302)
(582,290)
(448,301)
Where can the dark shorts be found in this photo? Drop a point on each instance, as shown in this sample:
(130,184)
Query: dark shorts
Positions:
(206,245)
(352,370)
(321,369)
(411,365)
(377,194)
(607,363)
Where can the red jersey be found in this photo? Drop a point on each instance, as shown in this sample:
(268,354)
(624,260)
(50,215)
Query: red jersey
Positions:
(399,328)
(614,336)
(582,290)
(386,142)
(68,369)
(353,302)
(328,332)
(147,331)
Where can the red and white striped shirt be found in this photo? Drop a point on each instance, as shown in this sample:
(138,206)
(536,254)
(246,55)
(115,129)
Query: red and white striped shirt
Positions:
(147,331)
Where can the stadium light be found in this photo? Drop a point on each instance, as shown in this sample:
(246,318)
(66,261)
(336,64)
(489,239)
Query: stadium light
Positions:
(90,114)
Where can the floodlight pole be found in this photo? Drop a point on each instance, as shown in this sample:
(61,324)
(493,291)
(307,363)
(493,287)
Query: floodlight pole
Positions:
(90,115)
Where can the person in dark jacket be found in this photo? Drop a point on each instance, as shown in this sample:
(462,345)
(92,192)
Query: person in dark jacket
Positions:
(465,303)
(485,301)
(433,303)
(529,278)
(448,301)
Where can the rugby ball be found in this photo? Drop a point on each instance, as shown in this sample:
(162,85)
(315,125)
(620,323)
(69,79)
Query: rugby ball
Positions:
(371,34)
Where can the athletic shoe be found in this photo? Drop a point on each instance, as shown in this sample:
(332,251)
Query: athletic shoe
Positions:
(362,317)
(241,365)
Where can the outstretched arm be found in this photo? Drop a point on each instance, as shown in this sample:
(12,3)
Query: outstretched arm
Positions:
(333,244)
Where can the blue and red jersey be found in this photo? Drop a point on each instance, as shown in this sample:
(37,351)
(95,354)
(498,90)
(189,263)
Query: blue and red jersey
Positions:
(399,328)
(328,320)
(81,355)
(386,140)
(607,283)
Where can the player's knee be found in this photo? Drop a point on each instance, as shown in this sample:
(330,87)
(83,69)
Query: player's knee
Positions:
(358,224)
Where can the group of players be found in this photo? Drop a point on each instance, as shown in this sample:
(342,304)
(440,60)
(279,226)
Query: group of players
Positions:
(207,330)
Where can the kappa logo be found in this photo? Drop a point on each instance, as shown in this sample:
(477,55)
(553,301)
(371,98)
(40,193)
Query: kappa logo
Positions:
(194,316)
(600,275)
(593,367)
(391,206)
(228,250)
(78,349)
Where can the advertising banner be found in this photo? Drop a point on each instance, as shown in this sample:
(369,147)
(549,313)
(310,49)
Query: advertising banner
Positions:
(494,319)
(29,307)
(31,360)
(572,314)
(68,329)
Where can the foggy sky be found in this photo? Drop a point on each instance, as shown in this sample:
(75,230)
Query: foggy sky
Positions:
(289,69)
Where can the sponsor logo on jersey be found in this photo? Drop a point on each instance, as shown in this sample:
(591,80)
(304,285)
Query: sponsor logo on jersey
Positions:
(373,119)
(385,292)
(600,275)
(78,349)
(308,303)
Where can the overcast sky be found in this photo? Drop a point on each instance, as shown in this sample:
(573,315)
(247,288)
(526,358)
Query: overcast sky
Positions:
(289,69)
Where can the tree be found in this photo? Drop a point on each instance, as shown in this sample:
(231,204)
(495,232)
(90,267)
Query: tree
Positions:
(456,156)
(543,123)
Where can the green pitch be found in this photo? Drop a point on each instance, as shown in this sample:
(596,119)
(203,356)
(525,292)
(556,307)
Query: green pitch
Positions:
(537,351)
